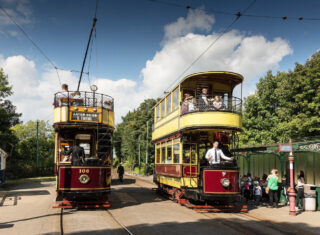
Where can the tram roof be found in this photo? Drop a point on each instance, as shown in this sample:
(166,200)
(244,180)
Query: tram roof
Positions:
(223,76)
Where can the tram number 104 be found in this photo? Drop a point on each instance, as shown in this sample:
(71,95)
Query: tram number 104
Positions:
(82,171)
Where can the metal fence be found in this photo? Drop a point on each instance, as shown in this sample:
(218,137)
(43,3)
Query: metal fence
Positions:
(208,103)
(83,98)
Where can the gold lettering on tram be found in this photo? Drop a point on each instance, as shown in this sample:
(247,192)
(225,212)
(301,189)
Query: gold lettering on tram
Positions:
(81,171)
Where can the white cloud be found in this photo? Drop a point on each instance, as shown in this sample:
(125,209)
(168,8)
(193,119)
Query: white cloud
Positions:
(250,55)
(195,20)
(33,94)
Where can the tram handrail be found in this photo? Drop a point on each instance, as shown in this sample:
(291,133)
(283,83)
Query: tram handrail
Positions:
(233,105)
(84,99)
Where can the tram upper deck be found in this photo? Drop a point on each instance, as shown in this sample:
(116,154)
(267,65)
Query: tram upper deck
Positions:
(201,101)
(72,107)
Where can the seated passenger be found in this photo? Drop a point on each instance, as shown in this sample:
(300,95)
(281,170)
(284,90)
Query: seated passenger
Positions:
(217,102)
(77,98)
(188,104)
(203,101)
(215,154)
(107,104)
(63,96)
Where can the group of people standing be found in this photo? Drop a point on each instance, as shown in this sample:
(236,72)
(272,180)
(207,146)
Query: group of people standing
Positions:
(267,188)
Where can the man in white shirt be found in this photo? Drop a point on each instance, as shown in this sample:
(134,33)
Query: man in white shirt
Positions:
(62,95)
(215,154)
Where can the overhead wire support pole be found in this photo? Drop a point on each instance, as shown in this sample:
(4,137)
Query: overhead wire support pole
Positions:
(85,55)
(37,150)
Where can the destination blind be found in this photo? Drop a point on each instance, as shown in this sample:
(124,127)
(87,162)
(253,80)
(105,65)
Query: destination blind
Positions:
(81,116)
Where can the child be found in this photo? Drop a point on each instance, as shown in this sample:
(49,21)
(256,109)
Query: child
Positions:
(257,192)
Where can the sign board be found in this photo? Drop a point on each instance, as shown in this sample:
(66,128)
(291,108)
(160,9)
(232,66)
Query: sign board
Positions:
(81,116)
(285,148)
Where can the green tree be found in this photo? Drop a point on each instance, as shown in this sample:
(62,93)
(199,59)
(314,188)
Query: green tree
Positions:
(132,128)
(8,115)
(285,105)
(23,161)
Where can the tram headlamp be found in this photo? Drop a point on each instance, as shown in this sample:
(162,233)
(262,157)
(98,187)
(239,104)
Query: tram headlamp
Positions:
(93,88)
(225,182)
(84,179)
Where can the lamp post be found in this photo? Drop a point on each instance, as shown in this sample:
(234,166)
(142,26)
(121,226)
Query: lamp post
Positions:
(37,147)
(146,168)
(139,155)
(292,194)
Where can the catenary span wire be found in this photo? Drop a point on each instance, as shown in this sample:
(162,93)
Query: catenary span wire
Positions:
(212,43)
(234,14)
(34,44)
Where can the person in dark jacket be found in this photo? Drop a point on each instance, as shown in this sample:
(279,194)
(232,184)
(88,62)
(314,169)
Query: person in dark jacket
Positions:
(120,172)
(77,154)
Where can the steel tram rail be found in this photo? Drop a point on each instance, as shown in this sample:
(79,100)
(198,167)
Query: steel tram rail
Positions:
(107,211)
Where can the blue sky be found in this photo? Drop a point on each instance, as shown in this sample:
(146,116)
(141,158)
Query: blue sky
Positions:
(131,32)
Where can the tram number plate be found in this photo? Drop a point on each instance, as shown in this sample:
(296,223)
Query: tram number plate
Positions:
(78,116)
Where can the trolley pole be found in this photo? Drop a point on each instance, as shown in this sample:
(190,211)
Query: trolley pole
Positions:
(146,170)
(37,151)
(139,154)
(292,194)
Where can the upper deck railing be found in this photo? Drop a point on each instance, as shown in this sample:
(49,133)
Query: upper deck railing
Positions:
(209,103)
(84,99)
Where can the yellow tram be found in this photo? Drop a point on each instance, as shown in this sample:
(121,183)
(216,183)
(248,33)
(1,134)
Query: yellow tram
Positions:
(85,118)
(201,109)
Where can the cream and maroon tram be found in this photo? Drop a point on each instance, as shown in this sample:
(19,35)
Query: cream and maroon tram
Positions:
(197,112)
(86,118)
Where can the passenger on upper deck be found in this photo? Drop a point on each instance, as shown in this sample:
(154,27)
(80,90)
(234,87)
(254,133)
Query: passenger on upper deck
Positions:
(77,100)
(215,154)
(204,97)
(64,94)
(188,104)
(217,102)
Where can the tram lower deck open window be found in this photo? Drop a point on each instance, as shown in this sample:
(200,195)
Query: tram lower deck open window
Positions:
(169,152)
(189,150)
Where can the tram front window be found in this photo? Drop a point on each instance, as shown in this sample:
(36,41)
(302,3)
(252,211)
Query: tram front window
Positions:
(83,149)
(189,150)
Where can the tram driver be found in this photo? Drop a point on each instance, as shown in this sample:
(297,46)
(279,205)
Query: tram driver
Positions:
(215,154)
(77,154)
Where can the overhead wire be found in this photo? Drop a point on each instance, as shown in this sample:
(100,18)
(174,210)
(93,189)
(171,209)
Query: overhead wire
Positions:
(34,44)
(235,14)
(239,14)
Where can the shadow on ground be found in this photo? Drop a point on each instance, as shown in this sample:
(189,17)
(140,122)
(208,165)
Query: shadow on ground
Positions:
(214,226)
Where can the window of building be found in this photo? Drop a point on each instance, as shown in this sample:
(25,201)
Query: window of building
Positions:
(158,112)
(169,152)
(158,154)
(163,108)
(189,150)
(163,153)
(175,99)
(176,153)
(169,104)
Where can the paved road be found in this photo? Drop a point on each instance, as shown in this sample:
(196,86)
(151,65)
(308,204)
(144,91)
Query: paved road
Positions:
(27,209)
(134,204)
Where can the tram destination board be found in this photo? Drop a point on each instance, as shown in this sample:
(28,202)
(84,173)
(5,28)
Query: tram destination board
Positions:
(81,116)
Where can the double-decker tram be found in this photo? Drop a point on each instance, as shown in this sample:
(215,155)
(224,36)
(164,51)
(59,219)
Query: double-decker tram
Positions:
(86,120)
(200,110)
